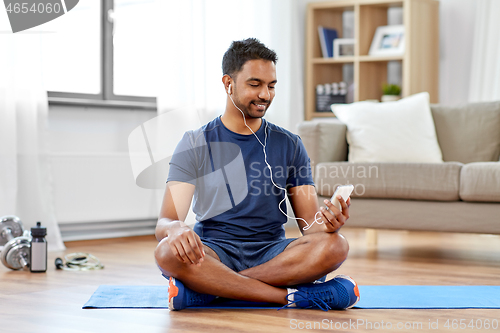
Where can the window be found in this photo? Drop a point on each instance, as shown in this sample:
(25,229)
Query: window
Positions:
(102,51)
(71,51)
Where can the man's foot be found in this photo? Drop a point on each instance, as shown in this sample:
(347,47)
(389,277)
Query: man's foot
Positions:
(339,293)
(180,297)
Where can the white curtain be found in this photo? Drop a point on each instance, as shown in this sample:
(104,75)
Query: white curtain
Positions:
(485,70)
(25,179)
(196,33)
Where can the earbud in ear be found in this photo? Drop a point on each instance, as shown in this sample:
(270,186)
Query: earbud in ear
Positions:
(229,89)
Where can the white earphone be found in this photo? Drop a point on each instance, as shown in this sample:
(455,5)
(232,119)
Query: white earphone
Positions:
(229,89)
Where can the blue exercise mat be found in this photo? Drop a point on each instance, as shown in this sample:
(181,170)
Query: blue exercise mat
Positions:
(372,297)
(155,297)
(429,297)
(129,297)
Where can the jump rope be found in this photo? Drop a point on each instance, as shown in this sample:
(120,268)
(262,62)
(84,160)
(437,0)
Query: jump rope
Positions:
(317,218)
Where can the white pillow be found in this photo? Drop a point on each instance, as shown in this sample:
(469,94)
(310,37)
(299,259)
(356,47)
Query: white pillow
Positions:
(401,131)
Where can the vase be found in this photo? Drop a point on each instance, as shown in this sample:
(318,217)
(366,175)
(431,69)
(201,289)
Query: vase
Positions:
(390,98)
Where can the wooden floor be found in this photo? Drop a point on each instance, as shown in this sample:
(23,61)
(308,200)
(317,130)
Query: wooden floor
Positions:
(52,302)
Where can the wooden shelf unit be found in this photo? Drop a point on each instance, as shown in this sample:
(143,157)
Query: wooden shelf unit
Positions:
(419,63)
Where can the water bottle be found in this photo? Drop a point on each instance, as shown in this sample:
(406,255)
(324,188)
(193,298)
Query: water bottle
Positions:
(38,249)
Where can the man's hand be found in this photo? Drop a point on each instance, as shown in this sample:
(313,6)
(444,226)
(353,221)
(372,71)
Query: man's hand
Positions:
(186,245)
(304,201)
(332,217)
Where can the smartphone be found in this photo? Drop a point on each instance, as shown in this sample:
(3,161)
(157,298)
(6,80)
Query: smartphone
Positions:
(344,191)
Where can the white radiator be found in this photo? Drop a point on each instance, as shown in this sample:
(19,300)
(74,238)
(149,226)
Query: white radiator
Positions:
(106,229)
(95,196)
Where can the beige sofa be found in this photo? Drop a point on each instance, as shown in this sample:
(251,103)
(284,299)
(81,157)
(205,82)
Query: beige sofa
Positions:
(460,195)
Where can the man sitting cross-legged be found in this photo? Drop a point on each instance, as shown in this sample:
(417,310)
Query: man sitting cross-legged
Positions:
(239,168)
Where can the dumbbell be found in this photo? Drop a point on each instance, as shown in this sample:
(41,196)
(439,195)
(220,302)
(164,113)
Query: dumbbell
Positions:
(10,227)
(16,251)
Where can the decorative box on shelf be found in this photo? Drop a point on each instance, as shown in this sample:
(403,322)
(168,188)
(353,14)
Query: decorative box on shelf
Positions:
(328,94)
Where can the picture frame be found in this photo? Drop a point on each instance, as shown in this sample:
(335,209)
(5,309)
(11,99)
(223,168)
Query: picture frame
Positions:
(343,47)
(388,40)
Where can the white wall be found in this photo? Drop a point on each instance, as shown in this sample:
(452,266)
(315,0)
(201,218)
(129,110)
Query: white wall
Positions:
(457,18)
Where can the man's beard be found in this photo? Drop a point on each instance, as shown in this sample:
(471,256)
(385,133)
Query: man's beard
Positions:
(247,111)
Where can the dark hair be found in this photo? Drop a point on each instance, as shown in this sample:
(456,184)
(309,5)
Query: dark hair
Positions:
(241,51)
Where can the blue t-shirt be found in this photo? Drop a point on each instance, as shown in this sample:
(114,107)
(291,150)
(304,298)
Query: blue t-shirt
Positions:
(234,195)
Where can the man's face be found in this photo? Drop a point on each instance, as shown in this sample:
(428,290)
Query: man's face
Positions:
(253,87)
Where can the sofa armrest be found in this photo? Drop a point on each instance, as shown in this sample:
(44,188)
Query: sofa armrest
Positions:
(325,140)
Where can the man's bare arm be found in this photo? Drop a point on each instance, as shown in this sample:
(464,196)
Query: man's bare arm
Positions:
(183,241)
(175,207)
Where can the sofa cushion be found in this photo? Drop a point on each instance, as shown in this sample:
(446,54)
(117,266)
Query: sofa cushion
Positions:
(480,182)
(468,133)
(418,181)
(324,140)
(401,131)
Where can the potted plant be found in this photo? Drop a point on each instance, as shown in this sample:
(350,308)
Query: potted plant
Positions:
(391,92)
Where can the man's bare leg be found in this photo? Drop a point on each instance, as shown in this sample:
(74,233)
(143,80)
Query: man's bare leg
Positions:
(304,260)
(215,278)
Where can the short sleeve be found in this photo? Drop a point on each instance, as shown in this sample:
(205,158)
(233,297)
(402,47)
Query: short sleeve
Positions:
(183,163)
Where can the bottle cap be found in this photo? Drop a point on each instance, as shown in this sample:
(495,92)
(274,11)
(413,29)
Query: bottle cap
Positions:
(38,231)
